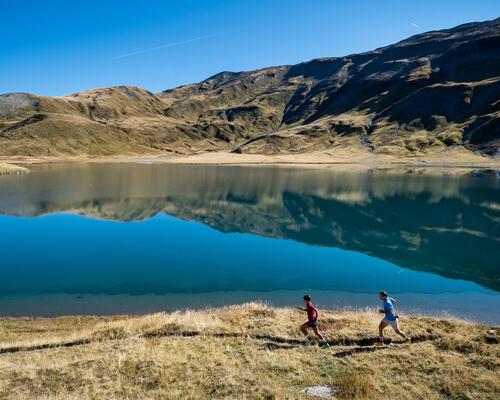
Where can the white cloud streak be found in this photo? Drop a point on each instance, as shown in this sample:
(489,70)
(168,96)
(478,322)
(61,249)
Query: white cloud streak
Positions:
(165,46)
(415,25)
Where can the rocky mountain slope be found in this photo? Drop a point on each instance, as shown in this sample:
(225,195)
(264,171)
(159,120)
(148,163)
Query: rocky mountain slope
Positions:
(424,95)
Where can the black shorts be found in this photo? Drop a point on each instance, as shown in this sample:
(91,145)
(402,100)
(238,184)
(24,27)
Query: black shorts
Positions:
(312,323)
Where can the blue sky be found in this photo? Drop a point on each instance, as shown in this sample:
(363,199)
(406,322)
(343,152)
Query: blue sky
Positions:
(60,47)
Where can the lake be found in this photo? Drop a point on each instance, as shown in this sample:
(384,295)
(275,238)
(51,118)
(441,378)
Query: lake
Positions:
(136,238)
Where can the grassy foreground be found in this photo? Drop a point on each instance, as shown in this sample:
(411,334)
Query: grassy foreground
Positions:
(250,351)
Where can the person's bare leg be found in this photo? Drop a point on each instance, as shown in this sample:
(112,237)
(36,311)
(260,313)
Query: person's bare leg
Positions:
(401,333)
(318,334)
(381,328)
(309,339)
(396,328)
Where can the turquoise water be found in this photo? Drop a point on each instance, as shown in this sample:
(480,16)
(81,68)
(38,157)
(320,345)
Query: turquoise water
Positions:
(123,238)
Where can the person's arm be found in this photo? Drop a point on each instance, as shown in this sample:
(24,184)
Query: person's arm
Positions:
(302,308)
(386,311)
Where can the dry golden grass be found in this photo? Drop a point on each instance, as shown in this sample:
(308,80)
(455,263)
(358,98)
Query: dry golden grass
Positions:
(219,354)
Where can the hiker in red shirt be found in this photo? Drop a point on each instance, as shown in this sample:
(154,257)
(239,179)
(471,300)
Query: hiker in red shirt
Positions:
(312,316)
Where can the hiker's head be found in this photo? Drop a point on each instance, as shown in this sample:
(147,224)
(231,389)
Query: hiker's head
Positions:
(307,298)
(382,295)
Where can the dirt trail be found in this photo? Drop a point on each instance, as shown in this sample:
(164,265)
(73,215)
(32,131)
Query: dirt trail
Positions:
(272,342)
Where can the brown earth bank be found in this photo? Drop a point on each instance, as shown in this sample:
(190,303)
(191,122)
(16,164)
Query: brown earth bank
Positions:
(249,351)
(433,96)
(7,169)
(453,160)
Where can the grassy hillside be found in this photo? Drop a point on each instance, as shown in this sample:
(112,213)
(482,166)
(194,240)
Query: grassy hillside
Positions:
(247,352)
(428,95)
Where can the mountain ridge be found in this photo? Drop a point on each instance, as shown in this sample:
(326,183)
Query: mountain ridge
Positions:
(421,96)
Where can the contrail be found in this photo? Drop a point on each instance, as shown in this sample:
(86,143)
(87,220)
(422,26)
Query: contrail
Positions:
(415,25)
(168,45)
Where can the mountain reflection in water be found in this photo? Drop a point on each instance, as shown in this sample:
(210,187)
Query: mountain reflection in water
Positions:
(425,220)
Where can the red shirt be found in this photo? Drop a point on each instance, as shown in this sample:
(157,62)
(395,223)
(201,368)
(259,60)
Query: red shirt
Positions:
(311,312)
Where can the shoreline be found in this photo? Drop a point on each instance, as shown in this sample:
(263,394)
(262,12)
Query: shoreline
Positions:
(11,169)
(55,305)
(318,160)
